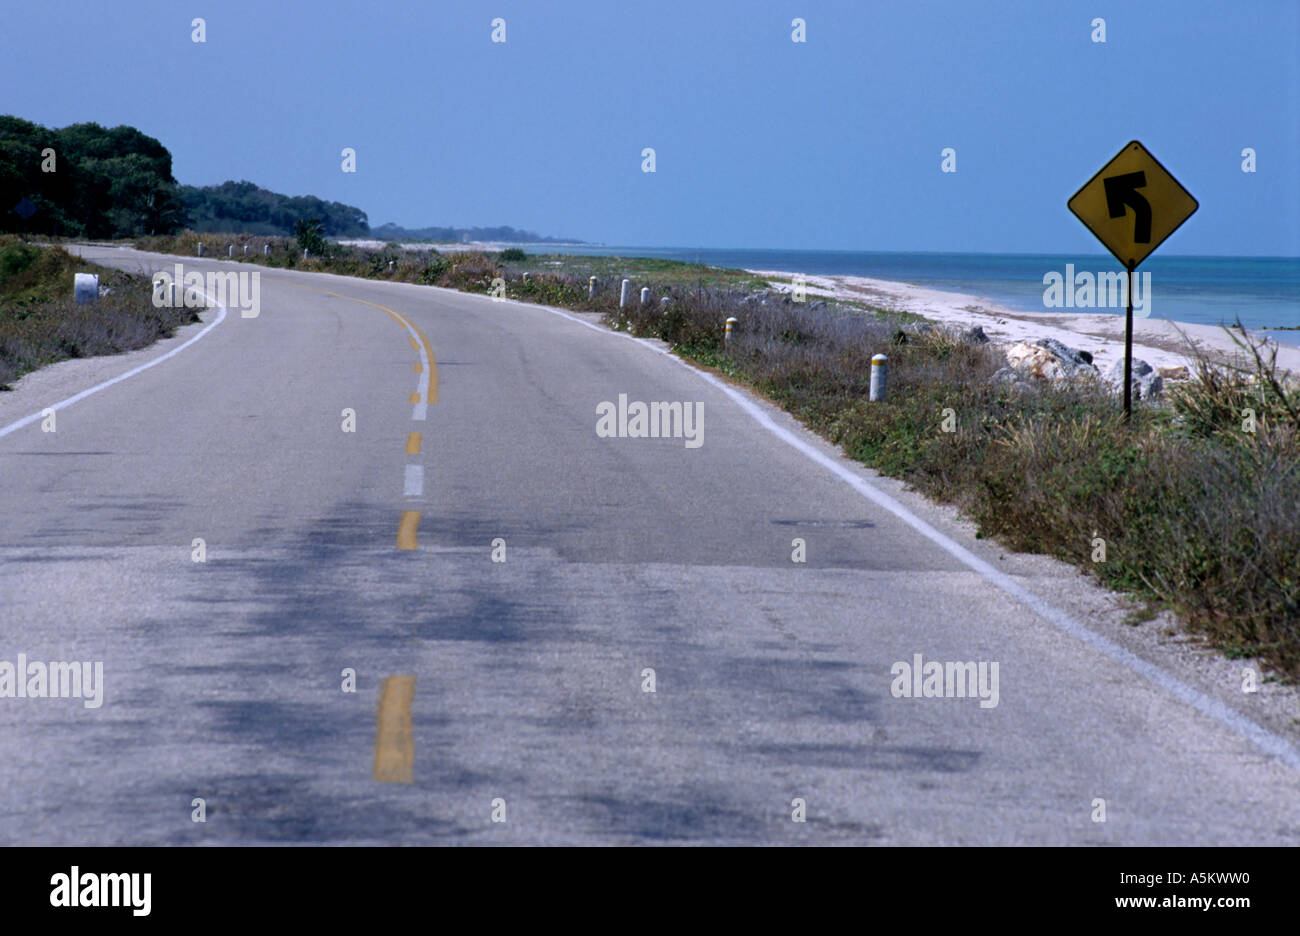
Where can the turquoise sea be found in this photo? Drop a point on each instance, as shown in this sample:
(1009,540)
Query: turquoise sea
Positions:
(1263,291)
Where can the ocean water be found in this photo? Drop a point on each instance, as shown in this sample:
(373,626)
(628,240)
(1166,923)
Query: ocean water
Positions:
(1263,291)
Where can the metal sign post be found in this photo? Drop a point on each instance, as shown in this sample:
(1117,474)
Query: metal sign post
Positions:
(1128,350)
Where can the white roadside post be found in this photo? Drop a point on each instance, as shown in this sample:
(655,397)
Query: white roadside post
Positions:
(879,371)
(266,250)
(622,296)
(591,287)
(390,266)
(245,250)
(645,295)
(731,327)
(85,287)
(526,277)
(304,253)
(200,248)
(230,250)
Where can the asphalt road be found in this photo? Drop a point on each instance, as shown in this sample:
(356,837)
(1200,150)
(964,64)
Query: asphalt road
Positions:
(223,680)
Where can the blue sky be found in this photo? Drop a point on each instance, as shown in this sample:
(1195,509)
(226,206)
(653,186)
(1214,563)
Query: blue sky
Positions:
(760,142)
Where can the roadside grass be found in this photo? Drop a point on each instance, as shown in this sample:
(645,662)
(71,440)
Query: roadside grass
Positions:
(1189,507)
(40,324)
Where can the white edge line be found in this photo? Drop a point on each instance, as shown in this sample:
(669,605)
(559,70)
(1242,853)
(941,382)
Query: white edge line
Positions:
(62,404)
(1239,724)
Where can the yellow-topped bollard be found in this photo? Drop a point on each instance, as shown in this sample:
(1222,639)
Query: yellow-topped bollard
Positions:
(879,371)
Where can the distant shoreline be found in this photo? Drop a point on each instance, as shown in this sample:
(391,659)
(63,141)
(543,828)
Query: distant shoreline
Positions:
(1156,341)
(1263,291)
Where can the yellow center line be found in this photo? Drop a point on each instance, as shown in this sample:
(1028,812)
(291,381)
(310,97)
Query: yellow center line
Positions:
(410,522)
(399,317)
(406,528)
(394,742)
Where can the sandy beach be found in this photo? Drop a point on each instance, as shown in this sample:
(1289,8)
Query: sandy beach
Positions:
(1159,342)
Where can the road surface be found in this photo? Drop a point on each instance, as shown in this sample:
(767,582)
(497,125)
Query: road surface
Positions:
(224,679)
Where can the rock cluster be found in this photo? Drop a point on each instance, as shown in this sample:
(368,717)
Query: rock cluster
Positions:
(1049,360)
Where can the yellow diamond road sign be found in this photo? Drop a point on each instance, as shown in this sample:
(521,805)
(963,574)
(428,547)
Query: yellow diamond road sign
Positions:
(1132,204)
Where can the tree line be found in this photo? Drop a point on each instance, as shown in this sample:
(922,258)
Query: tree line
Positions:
(86,180)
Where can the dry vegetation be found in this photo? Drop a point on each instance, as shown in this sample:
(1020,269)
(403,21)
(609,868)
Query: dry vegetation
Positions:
(40,323)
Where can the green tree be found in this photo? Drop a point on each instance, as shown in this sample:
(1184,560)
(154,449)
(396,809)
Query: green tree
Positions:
(308,233)
(106,182)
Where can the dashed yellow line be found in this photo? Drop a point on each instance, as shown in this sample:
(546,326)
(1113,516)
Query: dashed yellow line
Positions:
(394,741)
(406,529)
(409,524)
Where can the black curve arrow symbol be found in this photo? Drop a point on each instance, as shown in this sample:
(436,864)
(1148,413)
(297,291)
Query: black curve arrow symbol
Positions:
(1122,190)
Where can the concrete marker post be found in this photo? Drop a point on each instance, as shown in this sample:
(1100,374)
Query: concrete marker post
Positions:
(591,287)
(879,373)
(230,250)
(731,327)
(245,250)
(645,295)
(85,287)
(622,295)
(266,250)
(200,248)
